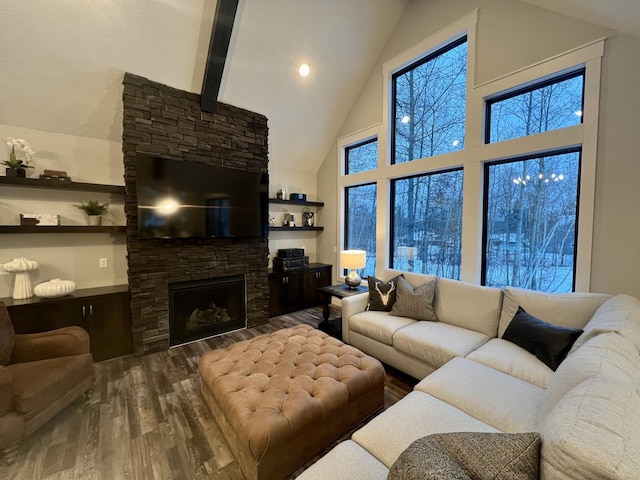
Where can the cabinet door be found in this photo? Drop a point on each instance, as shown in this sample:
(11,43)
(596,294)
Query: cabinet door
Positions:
(106,318)
(286,292)
(314,279)
(108,321)
(47,316)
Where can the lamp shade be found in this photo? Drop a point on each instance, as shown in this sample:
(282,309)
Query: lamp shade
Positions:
(353,259)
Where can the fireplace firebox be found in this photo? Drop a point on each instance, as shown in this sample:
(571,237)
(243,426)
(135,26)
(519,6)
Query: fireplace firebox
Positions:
(205,308)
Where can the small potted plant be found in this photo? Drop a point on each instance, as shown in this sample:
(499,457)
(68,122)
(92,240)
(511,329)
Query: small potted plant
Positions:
(94,210)
(17,167)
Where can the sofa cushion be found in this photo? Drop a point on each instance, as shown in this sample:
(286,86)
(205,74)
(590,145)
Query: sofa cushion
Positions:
(596,357)
(466,455)
(346,461)
(572,310)
(415,416)
(513,360)
(472,388)
(435,342)
(550,343)
(620,314)
(382,295)
(592,428)
(416,303)
(379,326)
(468,306)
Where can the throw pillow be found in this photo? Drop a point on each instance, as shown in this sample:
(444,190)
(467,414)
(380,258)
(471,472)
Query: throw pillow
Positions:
(550,343)
(416,303)
(469,455)
(382,295)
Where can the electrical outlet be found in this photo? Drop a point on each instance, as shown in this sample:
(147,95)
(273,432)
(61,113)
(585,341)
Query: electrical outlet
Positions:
(335,249)
(103,263)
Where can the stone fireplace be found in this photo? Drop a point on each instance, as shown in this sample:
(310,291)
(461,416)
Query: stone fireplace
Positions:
(205,308)
(164,121)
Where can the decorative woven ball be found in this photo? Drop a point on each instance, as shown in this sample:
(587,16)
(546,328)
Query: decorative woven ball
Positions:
(54,288)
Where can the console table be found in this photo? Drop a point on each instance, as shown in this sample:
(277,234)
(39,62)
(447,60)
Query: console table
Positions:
(334,326)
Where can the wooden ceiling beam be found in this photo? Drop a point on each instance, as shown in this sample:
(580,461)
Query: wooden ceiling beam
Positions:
(218,48)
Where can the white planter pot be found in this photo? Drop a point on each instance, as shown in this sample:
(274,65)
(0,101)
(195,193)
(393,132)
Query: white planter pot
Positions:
(95,220)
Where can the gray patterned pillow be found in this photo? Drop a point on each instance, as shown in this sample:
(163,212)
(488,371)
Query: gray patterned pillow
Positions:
(470,455)
(416,303)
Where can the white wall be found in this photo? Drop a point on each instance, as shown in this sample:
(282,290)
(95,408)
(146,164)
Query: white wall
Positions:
(513,35)
(69,256)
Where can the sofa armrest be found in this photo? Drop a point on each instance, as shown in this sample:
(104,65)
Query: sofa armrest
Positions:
(351,306)
(63,342)
(6,393)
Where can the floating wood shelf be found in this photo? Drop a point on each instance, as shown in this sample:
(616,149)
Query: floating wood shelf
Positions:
(61,185)
(294,229)
(296,202)
(113,229)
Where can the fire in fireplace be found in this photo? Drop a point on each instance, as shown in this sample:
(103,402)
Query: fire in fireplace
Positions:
(204,308)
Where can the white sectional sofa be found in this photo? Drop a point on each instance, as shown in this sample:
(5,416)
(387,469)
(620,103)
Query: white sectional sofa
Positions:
(587,412)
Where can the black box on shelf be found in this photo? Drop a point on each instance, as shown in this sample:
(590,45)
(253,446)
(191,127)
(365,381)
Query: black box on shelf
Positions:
(299,197)
(283,264)
(290,252)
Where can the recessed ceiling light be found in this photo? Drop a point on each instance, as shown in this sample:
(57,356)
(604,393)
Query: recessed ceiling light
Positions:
(304,70)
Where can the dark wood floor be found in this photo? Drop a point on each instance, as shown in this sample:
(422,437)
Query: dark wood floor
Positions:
(145,418)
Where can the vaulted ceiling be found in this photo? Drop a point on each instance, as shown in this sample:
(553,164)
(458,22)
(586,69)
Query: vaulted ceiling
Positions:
(63,61)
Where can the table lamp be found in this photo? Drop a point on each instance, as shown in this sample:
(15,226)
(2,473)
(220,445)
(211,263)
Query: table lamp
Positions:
(352,260)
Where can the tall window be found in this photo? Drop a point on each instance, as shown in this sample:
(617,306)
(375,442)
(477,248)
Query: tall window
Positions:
(427,223)
(530,222)
(361,157)
(546,106)
(429,104)
(360,223)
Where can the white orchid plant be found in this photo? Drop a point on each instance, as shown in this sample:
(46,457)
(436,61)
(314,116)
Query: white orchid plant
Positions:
(21,145)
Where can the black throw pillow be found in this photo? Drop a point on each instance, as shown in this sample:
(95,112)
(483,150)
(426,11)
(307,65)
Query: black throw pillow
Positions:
(550,343)
(382,295)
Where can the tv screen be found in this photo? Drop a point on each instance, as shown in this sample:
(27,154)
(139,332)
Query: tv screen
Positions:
(183,199)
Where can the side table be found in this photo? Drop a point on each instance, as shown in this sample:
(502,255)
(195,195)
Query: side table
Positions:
(334,326)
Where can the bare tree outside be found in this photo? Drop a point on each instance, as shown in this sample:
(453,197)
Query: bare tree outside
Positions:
(430,114)
(361,157)
(430,105)
(427,223)
(531,214)
(360,223)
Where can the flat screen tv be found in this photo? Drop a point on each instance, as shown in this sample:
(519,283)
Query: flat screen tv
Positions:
(185,199)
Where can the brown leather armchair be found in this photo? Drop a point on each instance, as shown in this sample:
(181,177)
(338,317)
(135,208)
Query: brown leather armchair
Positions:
(40,374)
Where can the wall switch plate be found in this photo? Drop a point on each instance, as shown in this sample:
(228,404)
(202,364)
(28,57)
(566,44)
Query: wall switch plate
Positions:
(103,263)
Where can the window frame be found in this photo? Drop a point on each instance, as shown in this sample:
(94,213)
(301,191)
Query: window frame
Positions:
(489,102)
(348,148)
(345,223)
(456,42)
(476,152)
(392,196)
(485,206)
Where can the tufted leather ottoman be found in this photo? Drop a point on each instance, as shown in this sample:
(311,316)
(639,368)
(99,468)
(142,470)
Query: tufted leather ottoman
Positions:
(281,398)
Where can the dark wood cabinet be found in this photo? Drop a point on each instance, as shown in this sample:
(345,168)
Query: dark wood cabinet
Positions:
(297,289)
(103,312)
(314,279)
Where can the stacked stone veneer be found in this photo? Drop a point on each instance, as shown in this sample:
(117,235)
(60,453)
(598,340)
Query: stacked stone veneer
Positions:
(164,121)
